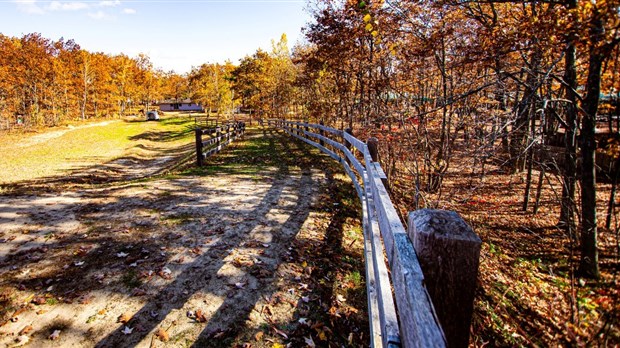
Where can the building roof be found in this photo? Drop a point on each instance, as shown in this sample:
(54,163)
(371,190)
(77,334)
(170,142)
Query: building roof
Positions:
(176,101)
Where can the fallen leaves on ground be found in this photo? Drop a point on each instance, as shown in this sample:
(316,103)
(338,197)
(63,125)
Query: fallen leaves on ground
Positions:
(124,318)
(26,330)
(162,335)
(200,316)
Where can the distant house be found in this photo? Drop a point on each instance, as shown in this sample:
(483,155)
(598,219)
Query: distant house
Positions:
(180,105)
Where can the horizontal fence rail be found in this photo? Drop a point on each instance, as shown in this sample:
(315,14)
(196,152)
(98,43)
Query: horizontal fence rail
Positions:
(437,235)
(212,140)
(206,121)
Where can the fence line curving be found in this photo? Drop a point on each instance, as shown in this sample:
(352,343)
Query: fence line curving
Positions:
(433,311)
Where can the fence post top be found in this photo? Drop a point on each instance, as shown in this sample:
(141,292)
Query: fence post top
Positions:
(441,222)
(373,148)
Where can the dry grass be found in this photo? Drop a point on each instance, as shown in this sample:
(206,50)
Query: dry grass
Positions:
(27,156)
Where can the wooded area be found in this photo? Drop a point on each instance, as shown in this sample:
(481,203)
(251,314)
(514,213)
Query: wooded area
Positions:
(527,90)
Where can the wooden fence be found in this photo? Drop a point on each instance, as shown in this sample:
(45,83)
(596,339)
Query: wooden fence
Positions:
(206,121)
(434,307)
(218,138)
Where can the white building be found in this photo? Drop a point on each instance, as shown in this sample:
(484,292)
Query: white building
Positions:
(180,105)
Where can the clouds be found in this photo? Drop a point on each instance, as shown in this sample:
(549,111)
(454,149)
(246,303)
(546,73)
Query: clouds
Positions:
(106,9)
(29,6)
(109,3)
(67,6)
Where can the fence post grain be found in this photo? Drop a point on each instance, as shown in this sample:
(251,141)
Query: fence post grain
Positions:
(449,252)
(199,160)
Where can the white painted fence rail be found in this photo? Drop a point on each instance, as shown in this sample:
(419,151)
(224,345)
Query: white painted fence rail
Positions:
(416,323)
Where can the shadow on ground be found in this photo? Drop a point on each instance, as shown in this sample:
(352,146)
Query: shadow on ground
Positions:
(259,241)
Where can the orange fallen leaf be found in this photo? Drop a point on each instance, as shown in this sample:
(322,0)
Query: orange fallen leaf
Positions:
(259,336)
(322,335)
(39,300)
(162,335)
(26,330)
(124,318)
(200,316)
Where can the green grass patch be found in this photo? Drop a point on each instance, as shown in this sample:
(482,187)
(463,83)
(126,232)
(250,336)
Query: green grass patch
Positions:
(178,219)
(27,156)
(354,278)
(131,279)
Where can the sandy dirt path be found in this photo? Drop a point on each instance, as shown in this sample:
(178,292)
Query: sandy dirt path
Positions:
(240,255)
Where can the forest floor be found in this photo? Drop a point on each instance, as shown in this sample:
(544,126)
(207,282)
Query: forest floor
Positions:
(528,292)
(262,247)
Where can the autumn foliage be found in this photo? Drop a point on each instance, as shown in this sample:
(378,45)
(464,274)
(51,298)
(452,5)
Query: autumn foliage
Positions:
(45,82)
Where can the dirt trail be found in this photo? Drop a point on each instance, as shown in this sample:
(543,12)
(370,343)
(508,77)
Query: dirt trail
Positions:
(240,253)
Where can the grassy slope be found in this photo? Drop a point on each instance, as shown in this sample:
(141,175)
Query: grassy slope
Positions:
(23,158)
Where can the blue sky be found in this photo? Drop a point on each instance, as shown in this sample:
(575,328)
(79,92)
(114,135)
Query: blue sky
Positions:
(176,35)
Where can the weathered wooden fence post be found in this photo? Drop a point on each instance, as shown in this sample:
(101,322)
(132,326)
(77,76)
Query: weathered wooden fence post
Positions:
(347,144)
(199,160)
(322,133)
(449,252)
(373,148)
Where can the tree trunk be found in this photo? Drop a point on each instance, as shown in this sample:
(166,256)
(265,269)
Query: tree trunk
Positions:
(518,141)
(569,175)
(588,266)
(530,162)
(611,205)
